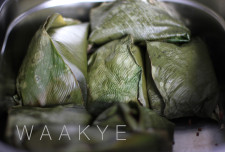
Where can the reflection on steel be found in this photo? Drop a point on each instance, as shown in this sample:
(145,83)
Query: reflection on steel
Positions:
(200,7)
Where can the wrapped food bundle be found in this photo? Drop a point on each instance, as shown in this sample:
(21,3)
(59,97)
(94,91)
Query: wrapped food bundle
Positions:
(143,19)
(151,131)
(42,129)
(117,84)
(68,129)
(116,74)
(137,118)
(54,71)
(181,80)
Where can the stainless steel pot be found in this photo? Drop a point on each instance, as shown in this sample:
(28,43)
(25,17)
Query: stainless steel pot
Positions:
(19,19)
(216,5)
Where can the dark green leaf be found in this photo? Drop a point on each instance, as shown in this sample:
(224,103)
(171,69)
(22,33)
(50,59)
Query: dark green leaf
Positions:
(54,71)
(54,118)
(115,74)
(181,80)
(136,118)
(72,118)
(142,19)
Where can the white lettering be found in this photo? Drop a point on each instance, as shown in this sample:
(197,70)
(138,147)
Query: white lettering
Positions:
(48,134)
(25,128)
(102,132)
(83,132)
(66,134)
(117,132)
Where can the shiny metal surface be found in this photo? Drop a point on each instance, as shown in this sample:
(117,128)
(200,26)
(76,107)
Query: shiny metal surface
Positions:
(216,5)
(19,19)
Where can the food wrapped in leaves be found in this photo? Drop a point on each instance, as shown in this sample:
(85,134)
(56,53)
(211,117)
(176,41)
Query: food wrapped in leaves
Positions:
(66,129)
(143,19)
(136,118)
(181,80)
(116,74)
(39,129)
(54,70)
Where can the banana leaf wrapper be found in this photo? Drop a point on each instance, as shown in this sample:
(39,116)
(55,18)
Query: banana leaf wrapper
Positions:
(134,141)
(136,118)
(142,19)
(181,80)
(73,117)
(54,70)
(116,74)
(54,118)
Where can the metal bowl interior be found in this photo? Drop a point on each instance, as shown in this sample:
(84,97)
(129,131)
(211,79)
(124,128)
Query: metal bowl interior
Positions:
(21,19)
